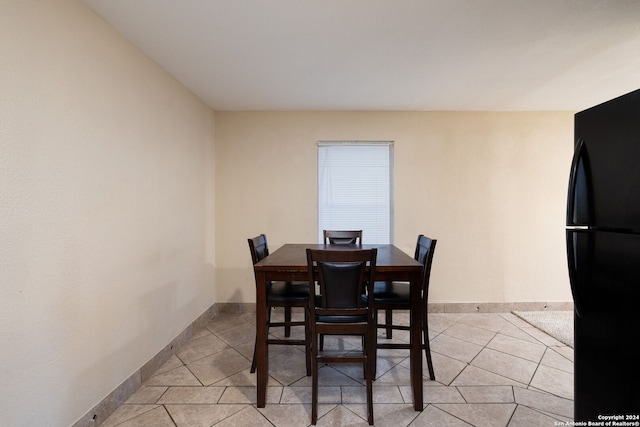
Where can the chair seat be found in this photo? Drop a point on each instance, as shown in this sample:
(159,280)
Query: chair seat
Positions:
(288,292)
(318,299)
(342,319)
(392,293)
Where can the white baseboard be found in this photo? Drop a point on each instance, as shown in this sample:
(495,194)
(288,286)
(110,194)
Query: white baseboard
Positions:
(497,307)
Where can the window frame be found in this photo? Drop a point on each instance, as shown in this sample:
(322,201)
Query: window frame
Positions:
(390,145)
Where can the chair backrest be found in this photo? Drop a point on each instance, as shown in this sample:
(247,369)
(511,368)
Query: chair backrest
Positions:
(342,237)
(259,248)
(425,247)
(341,275)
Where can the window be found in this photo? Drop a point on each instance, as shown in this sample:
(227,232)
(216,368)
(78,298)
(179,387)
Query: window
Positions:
(354,189)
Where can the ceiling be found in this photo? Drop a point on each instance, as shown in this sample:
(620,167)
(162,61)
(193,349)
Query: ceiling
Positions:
(476,55)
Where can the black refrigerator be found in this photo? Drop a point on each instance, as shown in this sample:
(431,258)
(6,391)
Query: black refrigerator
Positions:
(603,251)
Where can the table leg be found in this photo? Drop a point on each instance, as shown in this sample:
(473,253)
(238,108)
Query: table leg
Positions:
(416,341)
(262,362)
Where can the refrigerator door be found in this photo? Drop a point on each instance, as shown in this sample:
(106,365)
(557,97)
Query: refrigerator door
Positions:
(604,270)
(609,137)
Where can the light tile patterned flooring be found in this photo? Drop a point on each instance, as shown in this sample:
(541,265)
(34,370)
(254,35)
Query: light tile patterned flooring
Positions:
(491,370)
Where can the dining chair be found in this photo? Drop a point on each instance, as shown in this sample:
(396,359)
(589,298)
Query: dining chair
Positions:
(341,309)
(340,237)
(337,237)
(285,295)
(391,296)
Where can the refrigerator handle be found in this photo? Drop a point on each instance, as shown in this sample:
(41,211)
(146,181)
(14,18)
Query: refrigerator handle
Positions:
(577,199)
(573,270)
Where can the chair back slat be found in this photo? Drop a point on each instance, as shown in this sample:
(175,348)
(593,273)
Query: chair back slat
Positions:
(342,237)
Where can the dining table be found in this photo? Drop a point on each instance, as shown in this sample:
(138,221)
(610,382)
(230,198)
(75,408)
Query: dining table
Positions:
(289,263)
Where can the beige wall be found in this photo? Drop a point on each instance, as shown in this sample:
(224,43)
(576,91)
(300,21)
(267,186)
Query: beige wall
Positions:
(491,187)
(106,210)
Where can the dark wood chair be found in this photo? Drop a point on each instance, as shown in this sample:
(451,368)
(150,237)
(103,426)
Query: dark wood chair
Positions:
(341,309)
(285,295)
(337,237)
(391,296)
(340,237)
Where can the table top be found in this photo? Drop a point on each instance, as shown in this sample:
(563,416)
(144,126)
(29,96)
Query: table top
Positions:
(294,257)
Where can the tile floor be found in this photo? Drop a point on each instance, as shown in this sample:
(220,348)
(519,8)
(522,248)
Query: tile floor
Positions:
(491,370)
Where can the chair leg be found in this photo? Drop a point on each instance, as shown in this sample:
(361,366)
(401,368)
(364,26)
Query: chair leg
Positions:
(370,402)
(374,351)
(321,342)
(314,378)
(388,320)
(307,333)
(253,362)
(427,350)
(370,348)
(287,322)
(427,347)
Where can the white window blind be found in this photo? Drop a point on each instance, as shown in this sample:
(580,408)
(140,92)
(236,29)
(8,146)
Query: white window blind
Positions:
(354,189)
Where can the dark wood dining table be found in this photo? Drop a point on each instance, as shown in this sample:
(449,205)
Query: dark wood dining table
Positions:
(289,263)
